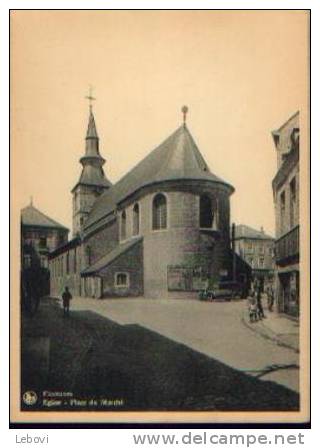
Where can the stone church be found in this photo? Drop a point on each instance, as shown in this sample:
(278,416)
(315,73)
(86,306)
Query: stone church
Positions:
(161,231)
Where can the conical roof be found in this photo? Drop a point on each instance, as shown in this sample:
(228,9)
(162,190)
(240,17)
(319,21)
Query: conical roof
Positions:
(31,216)
(177,158)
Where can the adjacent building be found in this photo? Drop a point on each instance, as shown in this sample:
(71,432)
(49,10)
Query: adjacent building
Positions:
(257,248)
(39,236)
(161,231)
(286,200)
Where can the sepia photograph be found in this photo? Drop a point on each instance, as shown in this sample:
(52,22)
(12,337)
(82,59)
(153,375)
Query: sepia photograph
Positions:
(159,216)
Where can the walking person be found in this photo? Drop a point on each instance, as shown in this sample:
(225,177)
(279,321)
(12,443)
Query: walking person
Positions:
(66,297)
(259,304)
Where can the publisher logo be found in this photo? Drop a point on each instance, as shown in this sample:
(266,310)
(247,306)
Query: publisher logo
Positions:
(30,397)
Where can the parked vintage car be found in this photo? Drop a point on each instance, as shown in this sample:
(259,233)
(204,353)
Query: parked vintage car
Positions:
(225,290)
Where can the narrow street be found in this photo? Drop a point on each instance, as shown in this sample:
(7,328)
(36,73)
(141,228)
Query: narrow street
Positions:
(161,355)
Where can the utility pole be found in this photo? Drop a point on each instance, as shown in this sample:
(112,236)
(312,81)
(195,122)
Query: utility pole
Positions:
(233,247)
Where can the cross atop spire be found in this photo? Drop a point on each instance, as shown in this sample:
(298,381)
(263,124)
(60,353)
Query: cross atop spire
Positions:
(184,110)
(90,97)
(91,132)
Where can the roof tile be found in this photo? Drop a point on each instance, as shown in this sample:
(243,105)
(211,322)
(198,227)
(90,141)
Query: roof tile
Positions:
(110,256)
(178,157)
(31,216)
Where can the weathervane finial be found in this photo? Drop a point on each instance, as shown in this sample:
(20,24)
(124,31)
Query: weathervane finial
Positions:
(184,110)
(90,97)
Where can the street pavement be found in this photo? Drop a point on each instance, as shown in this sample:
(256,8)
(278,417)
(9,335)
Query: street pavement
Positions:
(215,329)
(140,354)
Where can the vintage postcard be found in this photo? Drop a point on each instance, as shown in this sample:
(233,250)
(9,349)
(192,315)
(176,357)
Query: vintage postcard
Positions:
(159,216)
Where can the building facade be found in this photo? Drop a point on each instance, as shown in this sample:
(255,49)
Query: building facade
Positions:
(161,231)
(257,249)
(286,201)
(39,236)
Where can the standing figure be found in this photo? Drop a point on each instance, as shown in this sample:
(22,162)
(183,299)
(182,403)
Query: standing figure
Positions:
(270,298)
(66,297)
(259,304)
(252,305)
(256,285)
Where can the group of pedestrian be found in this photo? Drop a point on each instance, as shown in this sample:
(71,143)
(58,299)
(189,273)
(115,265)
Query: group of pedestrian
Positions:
(255,306)
(256,311)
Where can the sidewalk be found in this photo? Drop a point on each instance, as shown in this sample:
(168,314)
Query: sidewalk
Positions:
(277,327)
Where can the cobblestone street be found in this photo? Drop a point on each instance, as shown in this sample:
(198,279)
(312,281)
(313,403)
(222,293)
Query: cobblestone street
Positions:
(178,354)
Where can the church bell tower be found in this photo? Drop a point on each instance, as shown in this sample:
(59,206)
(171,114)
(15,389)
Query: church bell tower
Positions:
(92,182)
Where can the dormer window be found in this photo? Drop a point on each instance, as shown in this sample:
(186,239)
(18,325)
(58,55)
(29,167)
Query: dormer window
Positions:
(294,137)
(276,138)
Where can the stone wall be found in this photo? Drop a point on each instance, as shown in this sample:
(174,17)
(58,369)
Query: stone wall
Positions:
(100,242)
(129,263)
(182,243)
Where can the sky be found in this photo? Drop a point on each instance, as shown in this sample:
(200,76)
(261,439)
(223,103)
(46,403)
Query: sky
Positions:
(242,74)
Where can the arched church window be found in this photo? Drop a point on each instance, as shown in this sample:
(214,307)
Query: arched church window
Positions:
(136,220)
(123,225)
(207,212)
(159,212)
